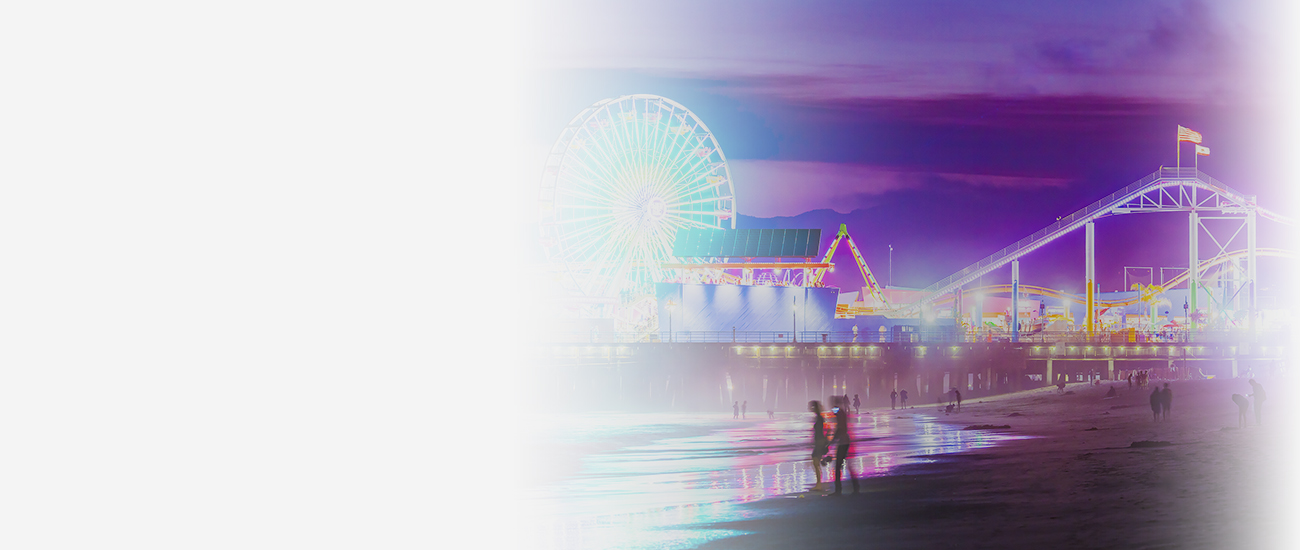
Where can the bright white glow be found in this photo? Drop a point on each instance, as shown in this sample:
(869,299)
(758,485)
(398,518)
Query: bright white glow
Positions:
(230,226)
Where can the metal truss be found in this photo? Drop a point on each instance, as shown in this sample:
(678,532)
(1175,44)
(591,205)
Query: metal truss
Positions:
(1165,190)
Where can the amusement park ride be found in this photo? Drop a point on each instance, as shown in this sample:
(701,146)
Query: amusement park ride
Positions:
(636,192)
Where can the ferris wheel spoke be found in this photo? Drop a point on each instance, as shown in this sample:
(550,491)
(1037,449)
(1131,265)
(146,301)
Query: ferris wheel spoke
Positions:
(697,168)
(584,240)
(598,171)
(601,163)
(710,213)
(680,153)
(598,165)
(696,223)
(694,184)
(663,142)
(582,250)
(619,165)
(593,187)
(619,179)
(692,166)
(586,218)
(599,200)
(607,178)
(697,201)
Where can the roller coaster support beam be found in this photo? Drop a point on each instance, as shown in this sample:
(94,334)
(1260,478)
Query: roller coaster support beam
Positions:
(1090,276)
(1015,300)
(1251,265)
(1193,278)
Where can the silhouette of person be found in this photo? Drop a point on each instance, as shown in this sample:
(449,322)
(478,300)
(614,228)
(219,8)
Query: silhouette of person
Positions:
(743,407)
(1166,401)
(1111,393)
(1242,406)
(1130,380)
(1259,401)
(820,443)
(770,413)
(903,396)
(735,410)
(1155,404)
(958,393)
(855,333)
(857,404)
(842,442)
(892,396)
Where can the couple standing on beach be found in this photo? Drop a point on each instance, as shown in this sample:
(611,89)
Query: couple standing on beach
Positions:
(893,397)
(841,439)
(1162,401)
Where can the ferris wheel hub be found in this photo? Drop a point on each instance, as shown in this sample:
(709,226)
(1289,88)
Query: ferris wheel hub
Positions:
(656,209)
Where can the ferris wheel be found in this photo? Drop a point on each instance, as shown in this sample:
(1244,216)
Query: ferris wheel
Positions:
(623,177)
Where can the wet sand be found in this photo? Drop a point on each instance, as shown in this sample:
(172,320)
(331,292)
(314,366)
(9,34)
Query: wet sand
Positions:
(1077,484)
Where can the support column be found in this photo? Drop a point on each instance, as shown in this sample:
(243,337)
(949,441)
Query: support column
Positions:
(1090,276)
(1194,278)
(1015,300)
(956,307)
(1251,266)
(1234,367)
(1110,369)
(1047,375)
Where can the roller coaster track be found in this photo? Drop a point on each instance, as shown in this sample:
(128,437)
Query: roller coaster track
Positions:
(1172,283)
(1144,195)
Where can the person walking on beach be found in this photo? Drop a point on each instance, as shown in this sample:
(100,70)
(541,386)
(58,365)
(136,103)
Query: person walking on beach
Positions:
(903,396)
(820,443)
(1259,401)
(743,407)
(1166,402)
(857,404)
(1155,404)
(842,441)
(735,410)
(958,392)
(1130,380)
(892,396)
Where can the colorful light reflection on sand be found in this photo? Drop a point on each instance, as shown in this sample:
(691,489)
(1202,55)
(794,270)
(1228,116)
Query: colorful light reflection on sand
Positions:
(653,480)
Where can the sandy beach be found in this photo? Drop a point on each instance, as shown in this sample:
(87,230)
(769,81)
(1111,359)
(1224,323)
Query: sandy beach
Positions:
(1077,483)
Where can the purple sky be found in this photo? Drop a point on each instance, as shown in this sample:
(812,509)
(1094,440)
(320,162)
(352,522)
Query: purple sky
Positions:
(946,129)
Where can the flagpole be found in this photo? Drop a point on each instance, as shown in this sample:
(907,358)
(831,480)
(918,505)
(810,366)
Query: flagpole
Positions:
(1178,154)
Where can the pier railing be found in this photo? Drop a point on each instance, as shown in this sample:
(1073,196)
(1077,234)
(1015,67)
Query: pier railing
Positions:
(914,337)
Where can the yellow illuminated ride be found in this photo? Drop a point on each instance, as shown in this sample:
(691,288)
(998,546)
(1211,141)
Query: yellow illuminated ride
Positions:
(870,280)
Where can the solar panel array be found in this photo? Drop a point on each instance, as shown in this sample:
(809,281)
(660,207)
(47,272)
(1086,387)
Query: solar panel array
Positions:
(747,243)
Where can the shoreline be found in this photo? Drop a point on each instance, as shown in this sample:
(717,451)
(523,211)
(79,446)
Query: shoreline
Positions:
(1077,482)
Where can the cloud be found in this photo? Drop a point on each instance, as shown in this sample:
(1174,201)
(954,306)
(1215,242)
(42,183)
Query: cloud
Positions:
(770,188)
(1168,49)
